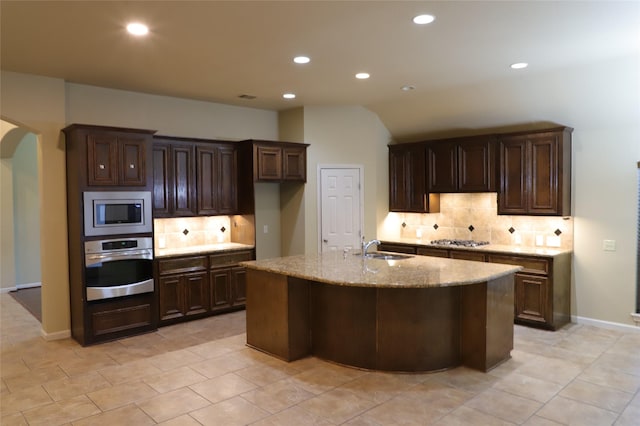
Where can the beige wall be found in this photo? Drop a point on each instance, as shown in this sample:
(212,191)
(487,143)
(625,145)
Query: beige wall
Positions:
(346,135)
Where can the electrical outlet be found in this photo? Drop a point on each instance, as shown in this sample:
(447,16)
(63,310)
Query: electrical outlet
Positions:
(609,245)
(265,229)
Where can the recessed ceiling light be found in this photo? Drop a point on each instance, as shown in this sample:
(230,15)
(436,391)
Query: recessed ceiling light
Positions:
(137,29)
(519,65)
(423,19)
(289,96)
(362,75)
(301,59)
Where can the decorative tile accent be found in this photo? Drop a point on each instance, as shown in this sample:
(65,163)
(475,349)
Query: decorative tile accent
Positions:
(471,228)
(223,229)
(185,232)
(404,224)
(512,230)
(435,226)
(557,232)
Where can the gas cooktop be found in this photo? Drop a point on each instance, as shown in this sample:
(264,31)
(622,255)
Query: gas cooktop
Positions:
(460,243)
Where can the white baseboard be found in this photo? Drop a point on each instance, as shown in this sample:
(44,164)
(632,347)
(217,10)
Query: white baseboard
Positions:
(58,335)
(605,324)
(19,287)
(636,318)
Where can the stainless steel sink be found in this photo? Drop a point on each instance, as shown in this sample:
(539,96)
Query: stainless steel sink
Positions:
(387,256)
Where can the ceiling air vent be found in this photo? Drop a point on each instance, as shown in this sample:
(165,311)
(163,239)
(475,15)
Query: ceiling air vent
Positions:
(246,97)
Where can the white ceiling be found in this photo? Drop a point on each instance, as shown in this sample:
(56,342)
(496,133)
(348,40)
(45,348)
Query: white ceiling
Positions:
(218,50)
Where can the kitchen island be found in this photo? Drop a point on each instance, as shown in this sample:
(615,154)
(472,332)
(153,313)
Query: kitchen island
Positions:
(411,314)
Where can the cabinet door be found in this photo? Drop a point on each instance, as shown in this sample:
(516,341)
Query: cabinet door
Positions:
(161,180)
(208,171)
(238,286)
(171,297)
(268,163)
(443,167)
(294,164)
(132,161)
(102,161)
(407,185)
(183,185)
(398,189)
(476,165)
(196,291)
(228,180)
(532,299)
(543,195)
(512,198)
(220,288)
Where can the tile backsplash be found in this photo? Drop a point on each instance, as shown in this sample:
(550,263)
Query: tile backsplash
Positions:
(191,231)
(475,217)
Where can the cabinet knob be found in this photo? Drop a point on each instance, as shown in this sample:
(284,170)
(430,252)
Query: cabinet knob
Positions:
(325,241)
(101,166)
(132,166)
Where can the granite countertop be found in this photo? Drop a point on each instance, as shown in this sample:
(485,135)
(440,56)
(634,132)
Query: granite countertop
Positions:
(352,270)
(489,248)
(202,249)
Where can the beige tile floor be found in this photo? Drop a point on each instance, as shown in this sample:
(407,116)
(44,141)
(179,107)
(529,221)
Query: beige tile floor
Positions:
(201,373)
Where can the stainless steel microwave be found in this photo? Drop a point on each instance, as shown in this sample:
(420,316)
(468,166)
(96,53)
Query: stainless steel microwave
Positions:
(117,212)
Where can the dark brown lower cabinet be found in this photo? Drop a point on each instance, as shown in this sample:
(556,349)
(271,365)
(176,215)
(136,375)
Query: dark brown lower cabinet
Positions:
(191,287)
(542,296)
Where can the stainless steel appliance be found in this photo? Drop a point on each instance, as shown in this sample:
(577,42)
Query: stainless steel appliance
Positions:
(118,267)
(117,212)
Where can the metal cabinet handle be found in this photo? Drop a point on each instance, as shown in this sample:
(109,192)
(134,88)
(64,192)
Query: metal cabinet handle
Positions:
(325,241)
(101,166)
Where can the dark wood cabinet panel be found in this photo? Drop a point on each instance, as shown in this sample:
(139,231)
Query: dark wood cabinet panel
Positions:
(162,194)
(269,163)
(208,170)
(220,288)
(462,165)
(407,180)
(443,167)
(196,291)
(170,297)
(535,173)
(434,252)
(102,153)
(183,182)
(228,180)
(294,163)
(531,299)
(467,255)
(115,159)
(238,285)
(397,248)
(477,170)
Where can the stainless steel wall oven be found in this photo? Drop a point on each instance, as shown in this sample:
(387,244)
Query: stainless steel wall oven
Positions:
(118,267)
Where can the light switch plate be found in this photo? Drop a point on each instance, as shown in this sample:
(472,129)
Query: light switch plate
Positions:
(265,229)
(609,245)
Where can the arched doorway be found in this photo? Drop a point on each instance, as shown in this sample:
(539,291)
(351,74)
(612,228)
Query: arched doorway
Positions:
(20,215)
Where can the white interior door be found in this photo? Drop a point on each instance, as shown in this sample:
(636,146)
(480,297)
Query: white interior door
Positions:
(340,208)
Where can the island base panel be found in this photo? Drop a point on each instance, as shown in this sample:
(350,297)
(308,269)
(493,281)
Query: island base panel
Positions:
(278,314)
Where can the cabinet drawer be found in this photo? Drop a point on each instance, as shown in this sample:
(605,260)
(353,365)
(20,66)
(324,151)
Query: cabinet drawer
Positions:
(397,248)
(182,264)
(227,259)
(116,320)
(434,252)
(467,255)
(531,265)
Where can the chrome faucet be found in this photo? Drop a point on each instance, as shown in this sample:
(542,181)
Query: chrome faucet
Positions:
(365,246)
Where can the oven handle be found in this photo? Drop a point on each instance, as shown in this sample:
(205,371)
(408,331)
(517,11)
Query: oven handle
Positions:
(92,259)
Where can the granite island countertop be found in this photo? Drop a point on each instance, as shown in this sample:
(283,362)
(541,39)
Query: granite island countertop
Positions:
(353,270)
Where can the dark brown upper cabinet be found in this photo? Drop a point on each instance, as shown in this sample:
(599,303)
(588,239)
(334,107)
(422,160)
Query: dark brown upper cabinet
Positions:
(535,173)
(113,156)
(194,177)
(407,180)
(217,179)
(279,161)
(462,165)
